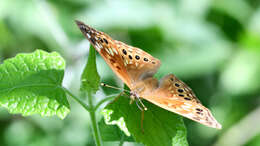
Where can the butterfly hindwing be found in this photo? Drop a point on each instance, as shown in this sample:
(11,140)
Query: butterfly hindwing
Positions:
(175,96)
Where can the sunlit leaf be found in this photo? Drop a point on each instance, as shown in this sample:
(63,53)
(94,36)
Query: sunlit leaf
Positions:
(31,84)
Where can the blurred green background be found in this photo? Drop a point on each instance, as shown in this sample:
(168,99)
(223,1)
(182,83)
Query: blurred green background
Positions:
(213,45)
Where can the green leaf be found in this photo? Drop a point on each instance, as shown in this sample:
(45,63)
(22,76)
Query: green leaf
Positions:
(31,84)
(161,127)
(90,79)
(112,132)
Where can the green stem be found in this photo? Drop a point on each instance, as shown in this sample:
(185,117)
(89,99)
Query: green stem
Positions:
(91,109)
(122,140)
(77,99)
(93,118)
(104,100)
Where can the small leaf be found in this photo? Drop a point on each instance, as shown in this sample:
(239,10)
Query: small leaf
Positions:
(112,132)
(161,127)
(90,79)
(31,84)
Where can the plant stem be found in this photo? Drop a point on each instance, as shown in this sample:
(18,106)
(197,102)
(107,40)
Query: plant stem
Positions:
(77,99)
(122,140)
(92,113)
(105,100)
(93,118)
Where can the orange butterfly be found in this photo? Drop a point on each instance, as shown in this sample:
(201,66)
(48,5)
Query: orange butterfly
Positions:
(136,68)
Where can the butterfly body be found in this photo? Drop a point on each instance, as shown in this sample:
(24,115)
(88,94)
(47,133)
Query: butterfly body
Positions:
(136,69)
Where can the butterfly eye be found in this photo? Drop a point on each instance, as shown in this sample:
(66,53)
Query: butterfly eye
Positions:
(172,79)
(130,57)
(137,57)
(145,59)
(153,62)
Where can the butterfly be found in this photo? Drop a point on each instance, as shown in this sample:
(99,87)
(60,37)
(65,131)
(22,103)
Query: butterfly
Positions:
(136,69)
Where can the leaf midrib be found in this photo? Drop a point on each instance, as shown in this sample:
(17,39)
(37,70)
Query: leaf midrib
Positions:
(30,85)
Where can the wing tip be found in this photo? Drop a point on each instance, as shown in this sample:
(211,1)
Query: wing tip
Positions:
(82,26)
(216,125)
(212,122)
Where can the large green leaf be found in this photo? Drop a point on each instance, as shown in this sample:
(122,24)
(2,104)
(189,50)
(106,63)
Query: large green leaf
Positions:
(31,84)
(90,78)
(160,126)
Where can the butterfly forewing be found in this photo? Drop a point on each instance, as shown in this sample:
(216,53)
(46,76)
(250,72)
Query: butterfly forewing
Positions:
(177,97)
(131,64)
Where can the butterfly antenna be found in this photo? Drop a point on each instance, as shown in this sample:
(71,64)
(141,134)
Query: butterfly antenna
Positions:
(105,85)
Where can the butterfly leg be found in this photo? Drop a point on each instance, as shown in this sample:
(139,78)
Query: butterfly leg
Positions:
(142,113)
(140,101)
(143,108)
(142,121)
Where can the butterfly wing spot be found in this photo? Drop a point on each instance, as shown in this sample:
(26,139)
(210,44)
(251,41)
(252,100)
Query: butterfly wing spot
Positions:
(198,109)
(124,51)
(137,57)
(105,40)
(112,61)
(118,67)
(187,98)
(180,90)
